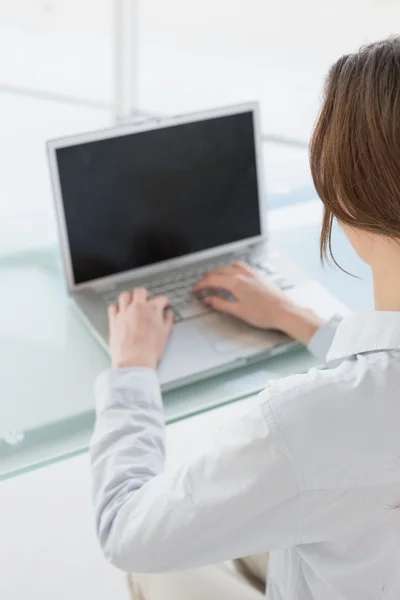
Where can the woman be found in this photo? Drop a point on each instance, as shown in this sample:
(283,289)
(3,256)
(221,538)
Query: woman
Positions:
(312,473)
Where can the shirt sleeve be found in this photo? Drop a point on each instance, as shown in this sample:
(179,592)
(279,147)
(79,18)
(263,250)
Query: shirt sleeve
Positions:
(321,341)
(240,495)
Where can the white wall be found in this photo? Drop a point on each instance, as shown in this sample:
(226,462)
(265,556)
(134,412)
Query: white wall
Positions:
(48,549)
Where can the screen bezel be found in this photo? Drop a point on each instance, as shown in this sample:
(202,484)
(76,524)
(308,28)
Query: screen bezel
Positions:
(149,125)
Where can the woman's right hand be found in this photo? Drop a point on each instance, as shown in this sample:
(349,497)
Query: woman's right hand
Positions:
(257,301)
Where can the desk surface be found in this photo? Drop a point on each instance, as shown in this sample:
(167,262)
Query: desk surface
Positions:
(49,359)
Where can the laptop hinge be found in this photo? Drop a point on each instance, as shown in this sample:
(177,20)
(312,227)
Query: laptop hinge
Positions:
(103,286)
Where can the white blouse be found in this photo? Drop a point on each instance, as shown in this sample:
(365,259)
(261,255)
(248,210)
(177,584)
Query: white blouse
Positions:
(311,473)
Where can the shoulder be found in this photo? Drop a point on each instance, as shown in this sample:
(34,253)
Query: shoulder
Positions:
(316,417)
(311,393)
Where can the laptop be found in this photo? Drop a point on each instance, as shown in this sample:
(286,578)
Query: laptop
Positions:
(159,204)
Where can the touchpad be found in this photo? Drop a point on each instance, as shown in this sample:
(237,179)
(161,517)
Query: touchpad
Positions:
(227,334)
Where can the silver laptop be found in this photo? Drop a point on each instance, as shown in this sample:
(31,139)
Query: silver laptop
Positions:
(158,205)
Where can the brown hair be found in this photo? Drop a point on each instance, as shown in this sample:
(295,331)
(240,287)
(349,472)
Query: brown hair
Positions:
(355,147)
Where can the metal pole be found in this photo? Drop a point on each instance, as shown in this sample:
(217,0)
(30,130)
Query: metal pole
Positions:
(126,44)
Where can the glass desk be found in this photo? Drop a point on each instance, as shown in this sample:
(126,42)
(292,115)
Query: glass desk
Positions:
(50,360)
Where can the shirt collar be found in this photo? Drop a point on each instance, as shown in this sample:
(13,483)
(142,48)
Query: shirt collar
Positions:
(366,332)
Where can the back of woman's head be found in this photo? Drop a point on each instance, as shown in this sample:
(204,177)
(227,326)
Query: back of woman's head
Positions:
(355,148)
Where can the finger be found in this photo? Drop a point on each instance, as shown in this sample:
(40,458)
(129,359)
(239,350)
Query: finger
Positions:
(169,319)
(162,302)
(112,311)
(218,281)
(222,305)
(125,299)
(228,270)
(140,294)
(241,266)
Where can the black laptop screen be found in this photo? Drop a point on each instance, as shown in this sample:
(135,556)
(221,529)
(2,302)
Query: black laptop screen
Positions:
(142,198)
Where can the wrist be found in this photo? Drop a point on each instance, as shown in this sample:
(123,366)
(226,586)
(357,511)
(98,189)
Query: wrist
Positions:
(299,323)
(131,362)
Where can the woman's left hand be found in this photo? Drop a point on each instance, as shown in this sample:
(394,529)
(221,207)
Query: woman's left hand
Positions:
(139,329)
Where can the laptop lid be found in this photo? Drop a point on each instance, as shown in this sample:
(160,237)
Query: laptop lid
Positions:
(135,199)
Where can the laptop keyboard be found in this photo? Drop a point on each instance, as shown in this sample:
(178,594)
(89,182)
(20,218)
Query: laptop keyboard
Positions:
(179,284)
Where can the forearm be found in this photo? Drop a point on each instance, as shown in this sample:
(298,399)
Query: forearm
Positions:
(127,448)
(298,322)
(303,325)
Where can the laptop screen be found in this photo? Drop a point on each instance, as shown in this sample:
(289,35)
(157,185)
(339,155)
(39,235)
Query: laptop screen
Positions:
(142,198)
